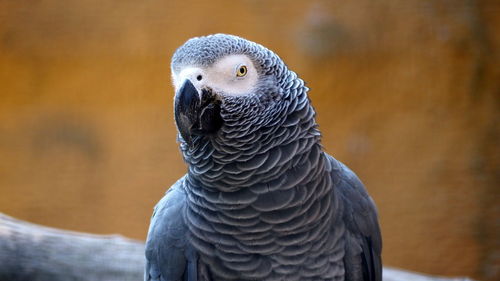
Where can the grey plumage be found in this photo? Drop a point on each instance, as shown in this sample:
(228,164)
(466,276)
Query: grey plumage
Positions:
(261,200)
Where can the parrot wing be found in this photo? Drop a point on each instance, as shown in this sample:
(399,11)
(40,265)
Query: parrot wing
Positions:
(168,256)
(363,238)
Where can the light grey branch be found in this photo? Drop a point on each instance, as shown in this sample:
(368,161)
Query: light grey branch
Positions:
(393,274)
(33,252)
(38,253)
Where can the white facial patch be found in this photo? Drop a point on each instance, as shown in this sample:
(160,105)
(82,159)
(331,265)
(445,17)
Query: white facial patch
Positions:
(224,76)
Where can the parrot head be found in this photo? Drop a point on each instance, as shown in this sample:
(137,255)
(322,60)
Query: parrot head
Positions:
(227,83)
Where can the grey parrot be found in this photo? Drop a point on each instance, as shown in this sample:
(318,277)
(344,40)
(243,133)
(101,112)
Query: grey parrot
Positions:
(261,199)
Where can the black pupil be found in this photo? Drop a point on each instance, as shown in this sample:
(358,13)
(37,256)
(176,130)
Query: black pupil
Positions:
(198,77)
(242,70)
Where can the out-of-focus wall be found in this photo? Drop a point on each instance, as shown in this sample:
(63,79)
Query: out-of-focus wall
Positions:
(406,94)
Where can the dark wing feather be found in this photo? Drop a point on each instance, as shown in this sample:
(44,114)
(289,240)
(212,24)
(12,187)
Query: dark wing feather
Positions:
(168,255)
(363,239)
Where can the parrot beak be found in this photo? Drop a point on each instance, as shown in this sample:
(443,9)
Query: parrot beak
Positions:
(195,116)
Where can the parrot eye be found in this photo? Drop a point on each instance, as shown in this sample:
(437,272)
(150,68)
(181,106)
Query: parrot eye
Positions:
(241,71)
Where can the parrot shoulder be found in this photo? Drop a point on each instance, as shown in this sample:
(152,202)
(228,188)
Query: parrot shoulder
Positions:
(168,254)
(363,238)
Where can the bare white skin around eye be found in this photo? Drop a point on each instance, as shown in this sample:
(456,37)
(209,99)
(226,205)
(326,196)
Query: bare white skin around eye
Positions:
(221,76)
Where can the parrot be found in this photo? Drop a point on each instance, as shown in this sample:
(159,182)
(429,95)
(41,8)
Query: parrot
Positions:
(261,199)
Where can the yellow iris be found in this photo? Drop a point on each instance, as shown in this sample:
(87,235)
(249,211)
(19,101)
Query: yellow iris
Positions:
(241,71)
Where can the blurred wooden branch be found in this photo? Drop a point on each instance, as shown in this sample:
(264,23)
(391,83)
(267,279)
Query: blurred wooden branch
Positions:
(33,252)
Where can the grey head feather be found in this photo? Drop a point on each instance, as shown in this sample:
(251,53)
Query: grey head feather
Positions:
(205,50)
(276,81)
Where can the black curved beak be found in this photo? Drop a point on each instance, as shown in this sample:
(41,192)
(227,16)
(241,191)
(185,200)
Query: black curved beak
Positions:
(195,115)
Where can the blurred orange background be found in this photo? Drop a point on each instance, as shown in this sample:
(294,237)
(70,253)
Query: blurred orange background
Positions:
(407,95)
